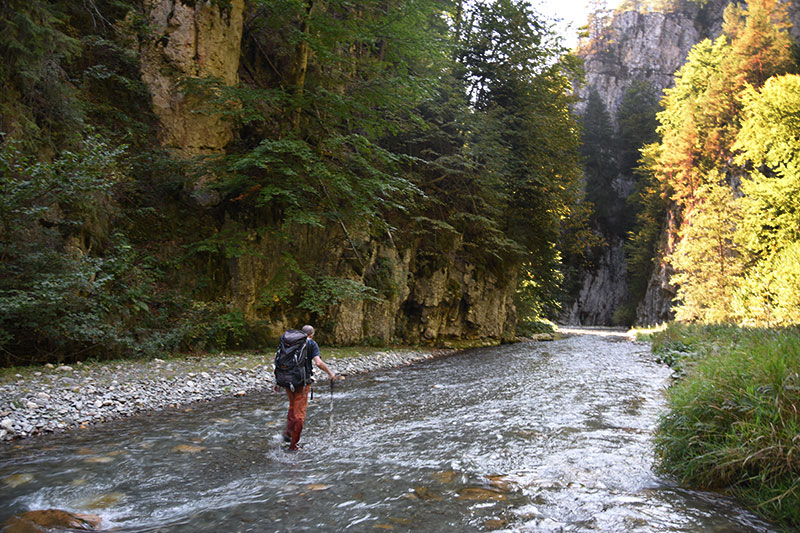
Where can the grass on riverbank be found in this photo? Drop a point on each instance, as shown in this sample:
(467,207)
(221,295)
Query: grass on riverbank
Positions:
(733,422)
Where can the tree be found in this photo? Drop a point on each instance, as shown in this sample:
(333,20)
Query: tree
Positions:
(650,208)
(699,125)
(701,115)
(599,14)
(685,123)
(598,143)
(636,123)
(707,260)
(525,140)
(36,49)
(770,231)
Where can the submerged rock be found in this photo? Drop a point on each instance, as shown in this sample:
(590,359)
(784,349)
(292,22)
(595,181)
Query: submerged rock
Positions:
(480,494)
(45,520)
(15,480)
(424,493)
(104,501)
(495,523)
(188,448)
(447,476)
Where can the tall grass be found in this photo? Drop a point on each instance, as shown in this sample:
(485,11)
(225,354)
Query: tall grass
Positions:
(733,422)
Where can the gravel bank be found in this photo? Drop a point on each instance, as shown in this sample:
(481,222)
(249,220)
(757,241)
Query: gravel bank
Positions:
(59,398)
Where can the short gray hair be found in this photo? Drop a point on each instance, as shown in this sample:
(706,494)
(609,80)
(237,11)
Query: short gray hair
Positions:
(308,330)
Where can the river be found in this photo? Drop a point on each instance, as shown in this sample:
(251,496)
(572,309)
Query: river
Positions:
(548,436)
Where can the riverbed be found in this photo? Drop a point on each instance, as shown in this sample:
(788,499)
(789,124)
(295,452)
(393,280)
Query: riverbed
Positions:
(548,436)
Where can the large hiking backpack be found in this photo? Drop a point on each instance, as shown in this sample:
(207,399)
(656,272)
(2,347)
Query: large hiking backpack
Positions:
(291,360)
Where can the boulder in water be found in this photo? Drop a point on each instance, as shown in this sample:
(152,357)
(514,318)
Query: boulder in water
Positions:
(15,480)
(45,520)
(480,494)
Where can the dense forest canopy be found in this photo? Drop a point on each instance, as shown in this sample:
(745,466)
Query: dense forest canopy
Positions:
(429,125)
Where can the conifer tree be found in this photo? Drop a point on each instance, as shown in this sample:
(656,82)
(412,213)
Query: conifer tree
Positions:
(598,144)
(707,260)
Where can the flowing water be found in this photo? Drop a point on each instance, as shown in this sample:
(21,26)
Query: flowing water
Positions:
(551,436)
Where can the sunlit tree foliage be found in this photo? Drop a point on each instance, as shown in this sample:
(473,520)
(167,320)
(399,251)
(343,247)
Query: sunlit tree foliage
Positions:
(699,152)
(769,141)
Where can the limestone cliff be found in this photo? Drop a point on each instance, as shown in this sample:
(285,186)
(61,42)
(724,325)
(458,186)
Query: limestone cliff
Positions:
(603,290)
(645,46)
(456,304)
(656,305)
(191,42)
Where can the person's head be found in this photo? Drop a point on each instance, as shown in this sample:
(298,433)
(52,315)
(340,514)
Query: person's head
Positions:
(308,330)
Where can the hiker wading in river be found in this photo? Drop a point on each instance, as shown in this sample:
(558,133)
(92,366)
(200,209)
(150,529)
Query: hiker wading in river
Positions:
(297,346)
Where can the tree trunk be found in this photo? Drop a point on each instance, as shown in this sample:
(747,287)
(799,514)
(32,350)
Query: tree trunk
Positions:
(301,65)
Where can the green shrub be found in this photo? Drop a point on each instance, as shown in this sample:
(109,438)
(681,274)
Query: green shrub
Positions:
(70,287)
(624,315)
(212,325)
(733,422)
(531,326)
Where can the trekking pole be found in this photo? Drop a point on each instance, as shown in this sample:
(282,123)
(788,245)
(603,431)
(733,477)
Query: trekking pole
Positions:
(330,415)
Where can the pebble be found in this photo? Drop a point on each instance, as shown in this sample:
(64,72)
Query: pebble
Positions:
(128,389)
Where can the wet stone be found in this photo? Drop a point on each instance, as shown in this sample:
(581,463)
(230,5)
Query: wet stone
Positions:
(15,480)
(495,523)
(187,448)
(104,501)
(51,519)
(480,494)
(427,494)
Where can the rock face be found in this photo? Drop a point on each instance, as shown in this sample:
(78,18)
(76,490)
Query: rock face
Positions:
(50,520)
(454,303)
(649,46)
(656,306)
(451,305)
(604,289)
(190,40)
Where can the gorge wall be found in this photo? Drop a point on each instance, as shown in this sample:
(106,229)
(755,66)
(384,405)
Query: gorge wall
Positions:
(453,303)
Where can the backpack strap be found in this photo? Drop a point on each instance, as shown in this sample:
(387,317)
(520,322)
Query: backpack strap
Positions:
(306,363)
